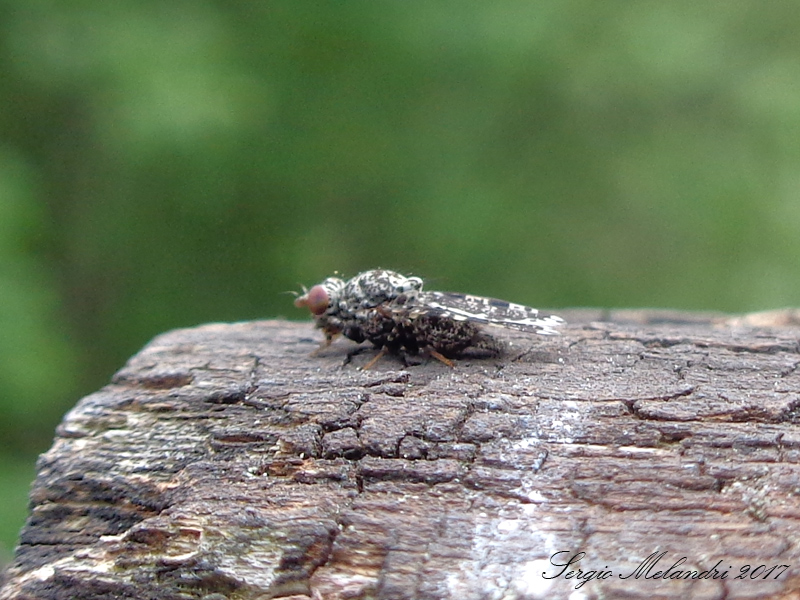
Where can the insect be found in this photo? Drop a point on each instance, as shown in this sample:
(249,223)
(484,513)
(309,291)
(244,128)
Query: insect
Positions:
(394,313)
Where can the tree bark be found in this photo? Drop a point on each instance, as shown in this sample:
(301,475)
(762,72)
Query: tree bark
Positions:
(226,462)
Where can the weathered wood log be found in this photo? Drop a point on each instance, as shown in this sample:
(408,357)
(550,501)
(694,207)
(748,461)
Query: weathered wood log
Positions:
(225,462)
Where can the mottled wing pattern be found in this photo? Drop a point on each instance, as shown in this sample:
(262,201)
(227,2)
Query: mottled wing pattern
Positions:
(464,307)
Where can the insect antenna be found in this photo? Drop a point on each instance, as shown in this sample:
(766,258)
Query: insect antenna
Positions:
(294,293)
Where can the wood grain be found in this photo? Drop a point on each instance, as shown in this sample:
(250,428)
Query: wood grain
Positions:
(225,462)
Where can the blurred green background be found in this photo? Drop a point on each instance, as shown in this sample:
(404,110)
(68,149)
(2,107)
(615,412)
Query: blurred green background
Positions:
(168,164)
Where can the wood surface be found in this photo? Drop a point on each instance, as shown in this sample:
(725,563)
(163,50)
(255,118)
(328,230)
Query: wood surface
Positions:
(224,461)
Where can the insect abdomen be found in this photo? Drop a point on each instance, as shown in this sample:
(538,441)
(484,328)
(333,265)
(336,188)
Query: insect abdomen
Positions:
(429,331)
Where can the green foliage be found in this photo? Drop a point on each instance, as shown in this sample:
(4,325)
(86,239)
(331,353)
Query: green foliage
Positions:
(16,475)
(36,363)
(164,165)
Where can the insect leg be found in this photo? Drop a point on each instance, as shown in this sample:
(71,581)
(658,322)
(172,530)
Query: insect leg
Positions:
(440,357)
(325,343)
(378,356)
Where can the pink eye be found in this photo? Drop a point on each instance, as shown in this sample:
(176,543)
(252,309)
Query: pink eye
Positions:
(316,299)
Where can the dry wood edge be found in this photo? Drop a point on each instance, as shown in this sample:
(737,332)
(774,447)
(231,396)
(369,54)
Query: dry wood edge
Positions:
(225,462)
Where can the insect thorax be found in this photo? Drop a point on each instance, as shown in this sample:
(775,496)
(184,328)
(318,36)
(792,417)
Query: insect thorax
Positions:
(373,288)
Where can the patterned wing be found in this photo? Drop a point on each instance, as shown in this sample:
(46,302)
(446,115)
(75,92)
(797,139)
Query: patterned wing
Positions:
(464,307)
